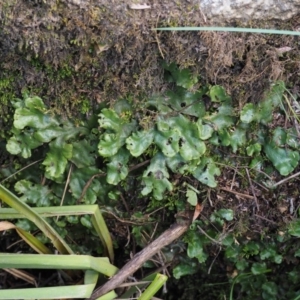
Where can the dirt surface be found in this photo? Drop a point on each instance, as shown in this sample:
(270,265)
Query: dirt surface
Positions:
(76,59)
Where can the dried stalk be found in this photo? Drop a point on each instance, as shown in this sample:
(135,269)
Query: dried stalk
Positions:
(166,238)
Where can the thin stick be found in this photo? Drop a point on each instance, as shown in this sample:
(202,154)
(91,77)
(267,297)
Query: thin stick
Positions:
(157,40)
(263,187)
(128,211)
(256,215)
(88,184)
(165,270)
(211,265)
(210,238)
(128,236)
(124,202)
(66,186)
(236,193)
(203,15)
(259,171)
(155,228)
(123,220)
(286,179)
(65,189)
(139,165)
(148,215)
(208,197)
(252,189)
(21,170)
(233,179)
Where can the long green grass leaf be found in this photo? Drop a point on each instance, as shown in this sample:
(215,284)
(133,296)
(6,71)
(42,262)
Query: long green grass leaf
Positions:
(69,262)
(51,211)
(140,285)
(31,240)
(92,277)
(14,202)
(58,292)
(230,29)
(66,292)
(97,219)
(101,228)
(153,288)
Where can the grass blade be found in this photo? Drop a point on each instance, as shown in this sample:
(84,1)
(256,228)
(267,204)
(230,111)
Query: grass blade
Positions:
(109,296)
(67,292)
(153,288)
(32,241)
(14,202)
(230,29)
(69,262)
(58,292)
(92,277)
(101,228)
(140,285)
(97,219)
(51,211)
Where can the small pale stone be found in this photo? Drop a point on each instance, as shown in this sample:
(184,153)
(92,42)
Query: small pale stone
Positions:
(249,9)
(139,6)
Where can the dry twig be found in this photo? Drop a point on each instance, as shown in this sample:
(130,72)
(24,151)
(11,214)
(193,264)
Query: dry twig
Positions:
(171,234)
(285,179)
(252,189)
(236,193)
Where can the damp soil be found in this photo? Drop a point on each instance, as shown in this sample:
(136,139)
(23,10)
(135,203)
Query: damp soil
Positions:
(76,59)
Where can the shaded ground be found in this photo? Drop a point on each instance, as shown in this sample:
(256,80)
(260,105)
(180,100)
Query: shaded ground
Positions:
(77,59)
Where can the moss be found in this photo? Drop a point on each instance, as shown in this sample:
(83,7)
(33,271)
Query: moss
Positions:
(7,94)
(70,56)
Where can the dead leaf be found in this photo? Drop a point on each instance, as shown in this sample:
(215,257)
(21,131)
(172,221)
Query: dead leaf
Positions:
(282,208)
(197,212)
(5,225)
(101,48)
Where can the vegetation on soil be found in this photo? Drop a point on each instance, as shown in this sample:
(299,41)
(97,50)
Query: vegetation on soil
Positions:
(149,145)
(143,162)
(77,56)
